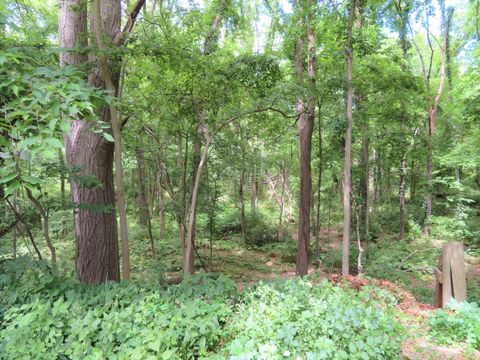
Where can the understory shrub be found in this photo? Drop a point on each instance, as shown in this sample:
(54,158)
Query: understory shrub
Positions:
(458,323)
(121,321)
(258,230)
(297,319)
(47,316)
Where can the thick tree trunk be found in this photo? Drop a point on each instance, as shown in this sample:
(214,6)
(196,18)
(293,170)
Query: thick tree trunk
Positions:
(348,147)
(90,155)
(109,15)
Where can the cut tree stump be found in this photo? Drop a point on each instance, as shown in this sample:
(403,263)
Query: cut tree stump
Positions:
(450,275)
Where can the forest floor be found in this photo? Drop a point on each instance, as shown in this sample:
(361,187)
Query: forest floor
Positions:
(248,266)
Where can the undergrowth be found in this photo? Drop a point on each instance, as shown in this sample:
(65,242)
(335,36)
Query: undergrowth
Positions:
(45,315)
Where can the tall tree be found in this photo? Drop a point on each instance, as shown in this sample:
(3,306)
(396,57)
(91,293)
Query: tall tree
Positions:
(347,162)
(305,130)
(90,155)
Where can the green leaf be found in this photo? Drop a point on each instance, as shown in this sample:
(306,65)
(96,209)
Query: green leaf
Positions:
(66,128)
(54,142)
(31,179)
(167,354)
(8,178)
(108,137)
(25,155)
(12,187)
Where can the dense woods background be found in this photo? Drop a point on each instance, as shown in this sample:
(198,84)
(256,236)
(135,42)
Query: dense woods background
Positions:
(241,141)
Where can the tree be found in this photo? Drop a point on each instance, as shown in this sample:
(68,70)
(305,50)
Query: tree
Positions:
(347,162)
(90,155)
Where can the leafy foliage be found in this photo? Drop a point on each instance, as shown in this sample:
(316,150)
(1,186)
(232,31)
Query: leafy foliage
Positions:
(299,319)
(459,322)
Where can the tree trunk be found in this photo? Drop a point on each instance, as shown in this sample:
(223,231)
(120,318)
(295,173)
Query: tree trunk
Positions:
(188,256)
(181,209)
(242,186)
(305,130)
(403,14)
(188,261)
(161,210)
(242,203)
(110,16)
(142,197)
(432,114)
(90,155)
(348,147)
(253,192)
(366,185)
(319,184)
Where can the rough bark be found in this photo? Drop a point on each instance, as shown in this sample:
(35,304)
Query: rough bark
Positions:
(89,155)
(348,146)
(110,17)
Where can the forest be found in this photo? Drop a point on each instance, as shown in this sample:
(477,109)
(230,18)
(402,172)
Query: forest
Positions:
(239,179)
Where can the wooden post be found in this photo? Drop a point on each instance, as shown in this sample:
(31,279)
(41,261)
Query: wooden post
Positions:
(450,275)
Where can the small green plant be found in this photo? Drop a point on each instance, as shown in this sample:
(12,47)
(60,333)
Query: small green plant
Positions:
(298,319)
(458,323)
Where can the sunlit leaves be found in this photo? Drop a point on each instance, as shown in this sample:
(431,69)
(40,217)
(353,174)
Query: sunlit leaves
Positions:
(38,104)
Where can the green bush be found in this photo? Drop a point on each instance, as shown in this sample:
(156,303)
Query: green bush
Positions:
(47,316)
(459,323)
(258,229)
(124,321)
(297,319)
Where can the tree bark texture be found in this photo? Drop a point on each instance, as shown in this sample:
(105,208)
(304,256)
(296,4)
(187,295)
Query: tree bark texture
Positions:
(90,156)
